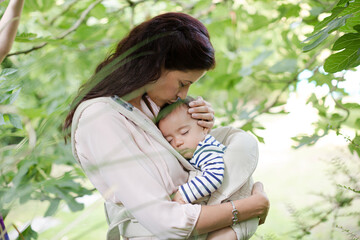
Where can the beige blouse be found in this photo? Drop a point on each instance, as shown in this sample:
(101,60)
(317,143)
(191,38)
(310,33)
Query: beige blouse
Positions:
(122,162)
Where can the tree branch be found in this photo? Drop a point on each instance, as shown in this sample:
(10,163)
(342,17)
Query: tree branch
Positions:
(63,12)
(294,79)
(65,33)
(80,20)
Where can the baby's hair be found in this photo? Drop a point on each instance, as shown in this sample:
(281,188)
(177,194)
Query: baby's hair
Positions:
(168,108)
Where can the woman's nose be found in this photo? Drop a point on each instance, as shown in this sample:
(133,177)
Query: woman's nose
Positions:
(183,93)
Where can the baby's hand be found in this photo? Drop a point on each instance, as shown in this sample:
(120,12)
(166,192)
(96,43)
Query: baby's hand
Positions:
(178,198)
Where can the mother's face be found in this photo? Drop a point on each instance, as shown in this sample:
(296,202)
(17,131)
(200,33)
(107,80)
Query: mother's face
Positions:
(173,84)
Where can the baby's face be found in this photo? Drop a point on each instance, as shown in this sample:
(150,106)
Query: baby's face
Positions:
(182,131)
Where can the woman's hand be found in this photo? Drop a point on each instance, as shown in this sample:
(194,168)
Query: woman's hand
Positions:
(202,111)
(258,190)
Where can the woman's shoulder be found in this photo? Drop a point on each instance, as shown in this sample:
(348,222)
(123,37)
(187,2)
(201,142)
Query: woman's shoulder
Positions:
(97,110)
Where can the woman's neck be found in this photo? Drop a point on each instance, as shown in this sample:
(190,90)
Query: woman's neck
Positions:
(136,102)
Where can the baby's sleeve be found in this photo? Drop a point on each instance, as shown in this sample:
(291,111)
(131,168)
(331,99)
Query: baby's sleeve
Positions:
(208,158)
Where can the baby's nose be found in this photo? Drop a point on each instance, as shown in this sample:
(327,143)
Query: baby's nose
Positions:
(178,142)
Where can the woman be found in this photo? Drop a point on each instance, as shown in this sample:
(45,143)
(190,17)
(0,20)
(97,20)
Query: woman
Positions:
(124,154)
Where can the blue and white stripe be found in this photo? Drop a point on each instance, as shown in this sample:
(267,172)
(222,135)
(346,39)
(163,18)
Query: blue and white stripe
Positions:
(208,158)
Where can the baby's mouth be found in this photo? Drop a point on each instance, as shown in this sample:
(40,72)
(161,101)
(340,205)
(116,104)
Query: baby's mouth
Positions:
(185,152)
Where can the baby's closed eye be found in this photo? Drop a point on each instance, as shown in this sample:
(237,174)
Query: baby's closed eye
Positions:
(184,131)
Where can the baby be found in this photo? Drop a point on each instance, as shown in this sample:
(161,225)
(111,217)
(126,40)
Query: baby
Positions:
(204,152)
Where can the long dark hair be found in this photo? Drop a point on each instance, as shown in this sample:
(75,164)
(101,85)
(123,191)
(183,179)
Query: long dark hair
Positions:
(171,41)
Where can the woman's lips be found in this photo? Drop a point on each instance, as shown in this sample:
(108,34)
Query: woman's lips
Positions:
(172,101)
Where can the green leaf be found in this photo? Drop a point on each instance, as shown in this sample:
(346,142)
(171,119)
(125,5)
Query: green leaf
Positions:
(2,120)
(14,95)
(29,234)
(7,71)
(54,204)
(357,123)
(336,117)
(258,21)
(341,2)
(354,146)
(321,79)
(26,36)
(15,120)
(99,11)
(335,12)
(4,97)
(323,34)
(316,42)
(289,10)
(351,105)
(315,11)
(351,23)
(353,7)
(261,57)
(32,38)
(340,61)
(285,65)
(34,112)
(70,200)
(306,140)
(357,28)
(245,71)
(349,41)
(260,139)
(45,5)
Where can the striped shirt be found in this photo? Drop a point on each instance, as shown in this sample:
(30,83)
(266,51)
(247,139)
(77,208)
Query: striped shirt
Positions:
(208,158)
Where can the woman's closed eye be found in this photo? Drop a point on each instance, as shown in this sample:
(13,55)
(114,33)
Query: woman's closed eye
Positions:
(181,84)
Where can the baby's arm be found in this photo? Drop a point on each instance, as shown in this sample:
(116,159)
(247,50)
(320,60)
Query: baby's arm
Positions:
(208,158)
(178,198)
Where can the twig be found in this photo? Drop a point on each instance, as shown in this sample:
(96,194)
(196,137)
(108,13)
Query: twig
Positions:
(64,34)
(22,237)
(80,20)
(29,50)
(63,12)
(132,5)
(338,103)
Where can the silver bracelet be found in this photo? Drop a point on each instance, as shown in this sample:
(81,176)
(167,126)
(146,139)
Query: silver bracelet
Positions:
(235,218)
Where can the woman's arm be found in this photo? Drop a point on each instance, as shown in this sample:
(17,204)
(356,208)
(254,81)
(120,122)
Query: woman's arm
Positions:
(220,216)
(8,26)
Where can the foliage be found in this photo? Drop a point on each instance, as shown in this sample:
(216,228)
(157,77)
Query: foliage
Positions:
(345,18)
(262,49)
(336,207)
